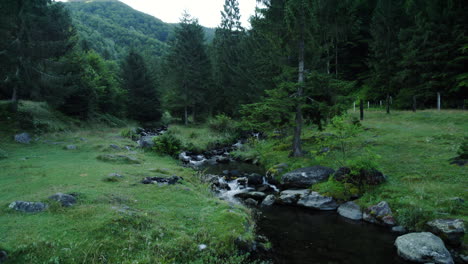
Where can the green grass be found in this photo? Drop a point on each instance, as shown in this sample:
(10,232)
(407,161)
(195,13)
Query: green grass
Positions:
(414,150)
(201,137)
(163,225)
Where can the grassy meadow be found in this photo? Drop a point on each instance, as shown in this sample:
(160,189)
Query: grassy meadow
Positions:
(113,222)
(412,149)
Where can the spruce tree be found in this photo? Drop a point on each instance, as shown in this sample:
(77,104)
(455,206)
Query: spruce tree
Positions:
(143,102)
(189,68)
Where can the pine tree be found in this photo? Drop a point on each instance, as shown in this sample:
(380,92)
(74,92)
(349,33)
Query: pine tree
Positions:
(190,68)
(227,59)
(36,33)
(143,102)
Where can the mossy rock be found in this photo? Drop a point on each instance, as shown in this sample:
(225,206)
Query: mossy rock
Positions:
(3,154)
(120,159)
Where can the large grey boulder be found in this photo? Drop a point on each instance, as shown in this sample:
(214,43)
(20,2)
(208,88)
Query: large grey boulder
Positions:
(120,159)
(268,201)
(258,196)
(316,201)
(254,179)
(350,210)
(423,247)
(65,200)
(292,196)
(146,142)
(70,147)
(250,202)
(23,138)
(3,256)
(450,230)
(28,207)
(305,177)
(379,214)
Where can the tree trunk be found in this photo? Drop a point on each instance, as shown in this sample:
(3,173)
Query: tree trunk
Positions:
(185,115)
(438,101)
(388,104)
(297,148)
(14,96)
(193,114)
(185,104)
(336,57)
(361,109)
(414,103)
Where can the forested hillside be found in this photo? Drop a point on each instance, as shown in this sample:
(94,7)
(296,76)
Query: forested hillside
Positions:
(110,27)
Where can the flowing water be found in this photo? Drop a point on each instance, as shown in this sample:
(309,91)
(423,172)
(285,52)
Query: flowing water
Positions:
(301,235)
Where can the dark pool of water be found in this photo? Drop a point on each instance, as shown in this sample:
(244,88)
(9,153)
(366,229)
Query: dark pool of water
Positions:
(243,167)
(303,236)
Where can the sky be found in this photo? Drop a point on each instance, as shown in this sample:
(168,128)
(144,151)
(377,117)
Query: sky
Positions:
(207,11)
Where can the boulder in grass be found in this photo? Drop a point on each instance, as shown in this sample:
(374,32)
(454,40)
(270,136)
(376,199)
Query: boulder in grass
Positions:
(370,177)
(28,207)
(70,147)
(379,214)
(450,230)
(65,200)
(423,247)
(23,138)
(306,177)
(114,146)
(162,180)
(146,142)
(121,159)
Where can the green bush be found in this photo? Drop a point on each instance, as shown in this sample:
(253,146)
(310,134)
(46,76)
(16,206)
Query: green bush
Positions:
(3,154)
(368,162)
(129,133)
(166,118)
(338,190)
(167,144)
(414,218)
(223,124)
(463,150)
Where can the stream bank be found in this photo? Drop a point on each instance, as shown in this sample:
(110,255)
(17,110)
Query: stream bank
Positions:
(296,235)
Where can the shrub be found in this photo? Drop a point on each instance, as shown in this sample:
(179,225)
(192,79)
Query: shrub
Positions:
(414,218)
(129,133)
(223,124)
(338,190)
(3,154)
(167,144)
(463,150)
(166,118)
(368,162)
(342,138)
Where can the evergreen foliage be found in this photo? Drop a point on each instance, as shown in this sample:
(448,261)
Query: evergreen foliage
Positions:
(188,70)
(143,103)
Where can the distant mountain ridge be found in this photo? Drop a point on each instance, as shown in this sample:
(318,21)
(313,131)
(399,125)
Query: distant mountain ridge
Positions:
(111,27)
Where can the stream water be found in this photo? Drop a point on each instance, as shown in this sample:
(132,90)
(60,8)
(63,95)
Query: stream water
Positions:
(301,235)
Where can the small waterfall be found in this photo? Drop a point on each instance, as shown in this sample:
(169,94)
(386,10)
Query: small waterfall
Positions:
(235,187)
(265,182)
